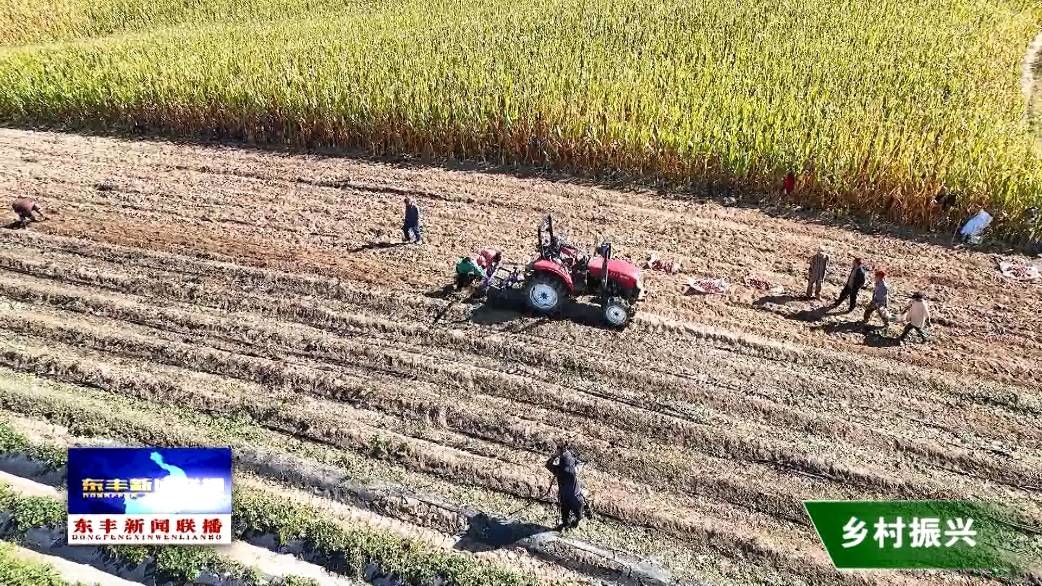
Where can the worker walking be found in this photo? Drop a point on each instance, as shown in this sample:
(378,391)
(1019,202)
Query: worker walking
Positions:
(855,282)
(565,468)
(917,316)
(411,227)
(816,273)
(879,300)
(25,207)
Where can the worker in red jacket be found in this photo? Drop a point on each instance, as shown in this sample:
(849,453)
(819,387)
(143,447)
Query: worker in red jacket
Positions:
(25,207)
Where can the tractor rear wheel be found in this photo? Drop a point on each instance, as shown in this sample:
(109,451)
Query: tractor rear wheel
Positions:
(544,294)
(616,312)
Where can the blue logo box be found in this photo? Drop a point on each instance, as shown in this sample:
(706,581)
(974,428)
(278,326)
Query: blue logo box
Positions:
(150,481)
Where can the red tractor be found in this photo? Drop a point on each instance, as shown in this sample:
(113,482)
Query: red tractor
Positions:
(562,272)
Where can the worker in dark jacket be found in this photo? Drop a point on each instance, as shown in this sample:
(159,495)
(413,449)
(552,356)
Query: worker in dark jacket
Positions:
(855,282)
(411,227)
(565,468)
(24,207)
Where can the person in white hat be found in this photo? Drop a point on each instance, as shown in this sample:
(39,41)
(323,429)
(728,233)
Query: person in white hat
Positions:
(917,316)
(816,273)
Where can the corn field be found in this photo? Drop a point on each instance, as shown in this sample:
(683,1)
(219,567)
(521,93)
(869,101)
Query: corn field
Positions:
(874,105)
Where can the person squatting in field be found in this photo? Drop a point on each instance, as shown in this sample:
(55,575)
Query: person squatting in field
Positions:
(25,207)
(917,316)
(565,468)
(855,281)
(816,273)
(469,270)
(879,300)
(411,227)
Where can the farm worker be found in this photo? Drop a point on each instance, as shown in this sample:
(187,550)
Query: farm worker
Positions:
(467,271)
(489,259)
(970,232)
(855,281)
(411,227)
(565,468)
(816,273)
(879,300)
(917,315)
(25,207)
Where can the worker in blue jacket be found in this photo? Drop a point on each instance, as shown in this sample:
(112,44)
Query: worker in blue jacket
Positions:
(411,227)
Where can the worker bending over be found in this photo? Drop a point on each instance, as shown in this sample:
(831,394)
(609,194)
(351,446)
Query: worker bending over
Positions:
(25,207)
(469,270)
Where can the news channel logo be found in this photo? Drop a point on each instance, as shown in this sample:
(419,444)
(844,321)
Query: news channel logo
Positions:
(149,496)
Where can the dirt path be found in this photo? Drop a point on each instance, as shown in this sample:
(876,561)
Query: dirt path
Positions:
(231,281)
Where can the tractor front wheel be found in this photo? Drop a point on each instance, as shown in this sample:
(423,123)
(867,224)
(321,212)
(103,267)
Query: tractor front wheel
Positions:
(616,312)
(545,294)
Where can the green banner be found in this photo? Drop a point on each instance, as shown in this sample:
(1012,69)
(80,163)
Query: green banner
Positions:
(956,535)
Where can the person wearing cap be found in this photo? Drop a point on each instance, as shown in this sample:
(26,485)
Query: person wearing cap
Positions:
(855,282)
(24,207)
(816,273)
(917,316)
(879,300)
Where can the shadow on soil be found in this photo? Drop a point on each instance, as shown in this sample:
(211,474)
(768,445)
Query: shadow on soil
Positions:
(377,246)
(874,336)
(776,304)
(509,311)
(511,314)
(775,300)
(699,192)
(487,533)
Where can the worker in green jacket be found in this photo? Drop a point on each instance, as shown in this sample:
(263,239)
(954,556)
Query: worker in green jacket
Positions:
(467,271)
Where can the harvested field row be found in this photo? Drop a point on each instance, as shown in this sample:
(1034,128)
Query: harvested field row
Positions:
(383,359)
(616,500)
(76,409)
(197,281)
(523,347)
(179,345)
(725,398)
(156,350)
(339,209)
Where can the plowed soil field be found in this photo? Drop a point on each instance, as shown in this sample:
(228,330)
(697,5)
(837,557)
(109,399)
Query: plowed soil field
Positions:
(273,288)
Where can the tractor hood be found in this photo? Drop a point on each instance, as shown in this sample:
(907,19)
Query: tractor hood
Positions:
(624,273)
